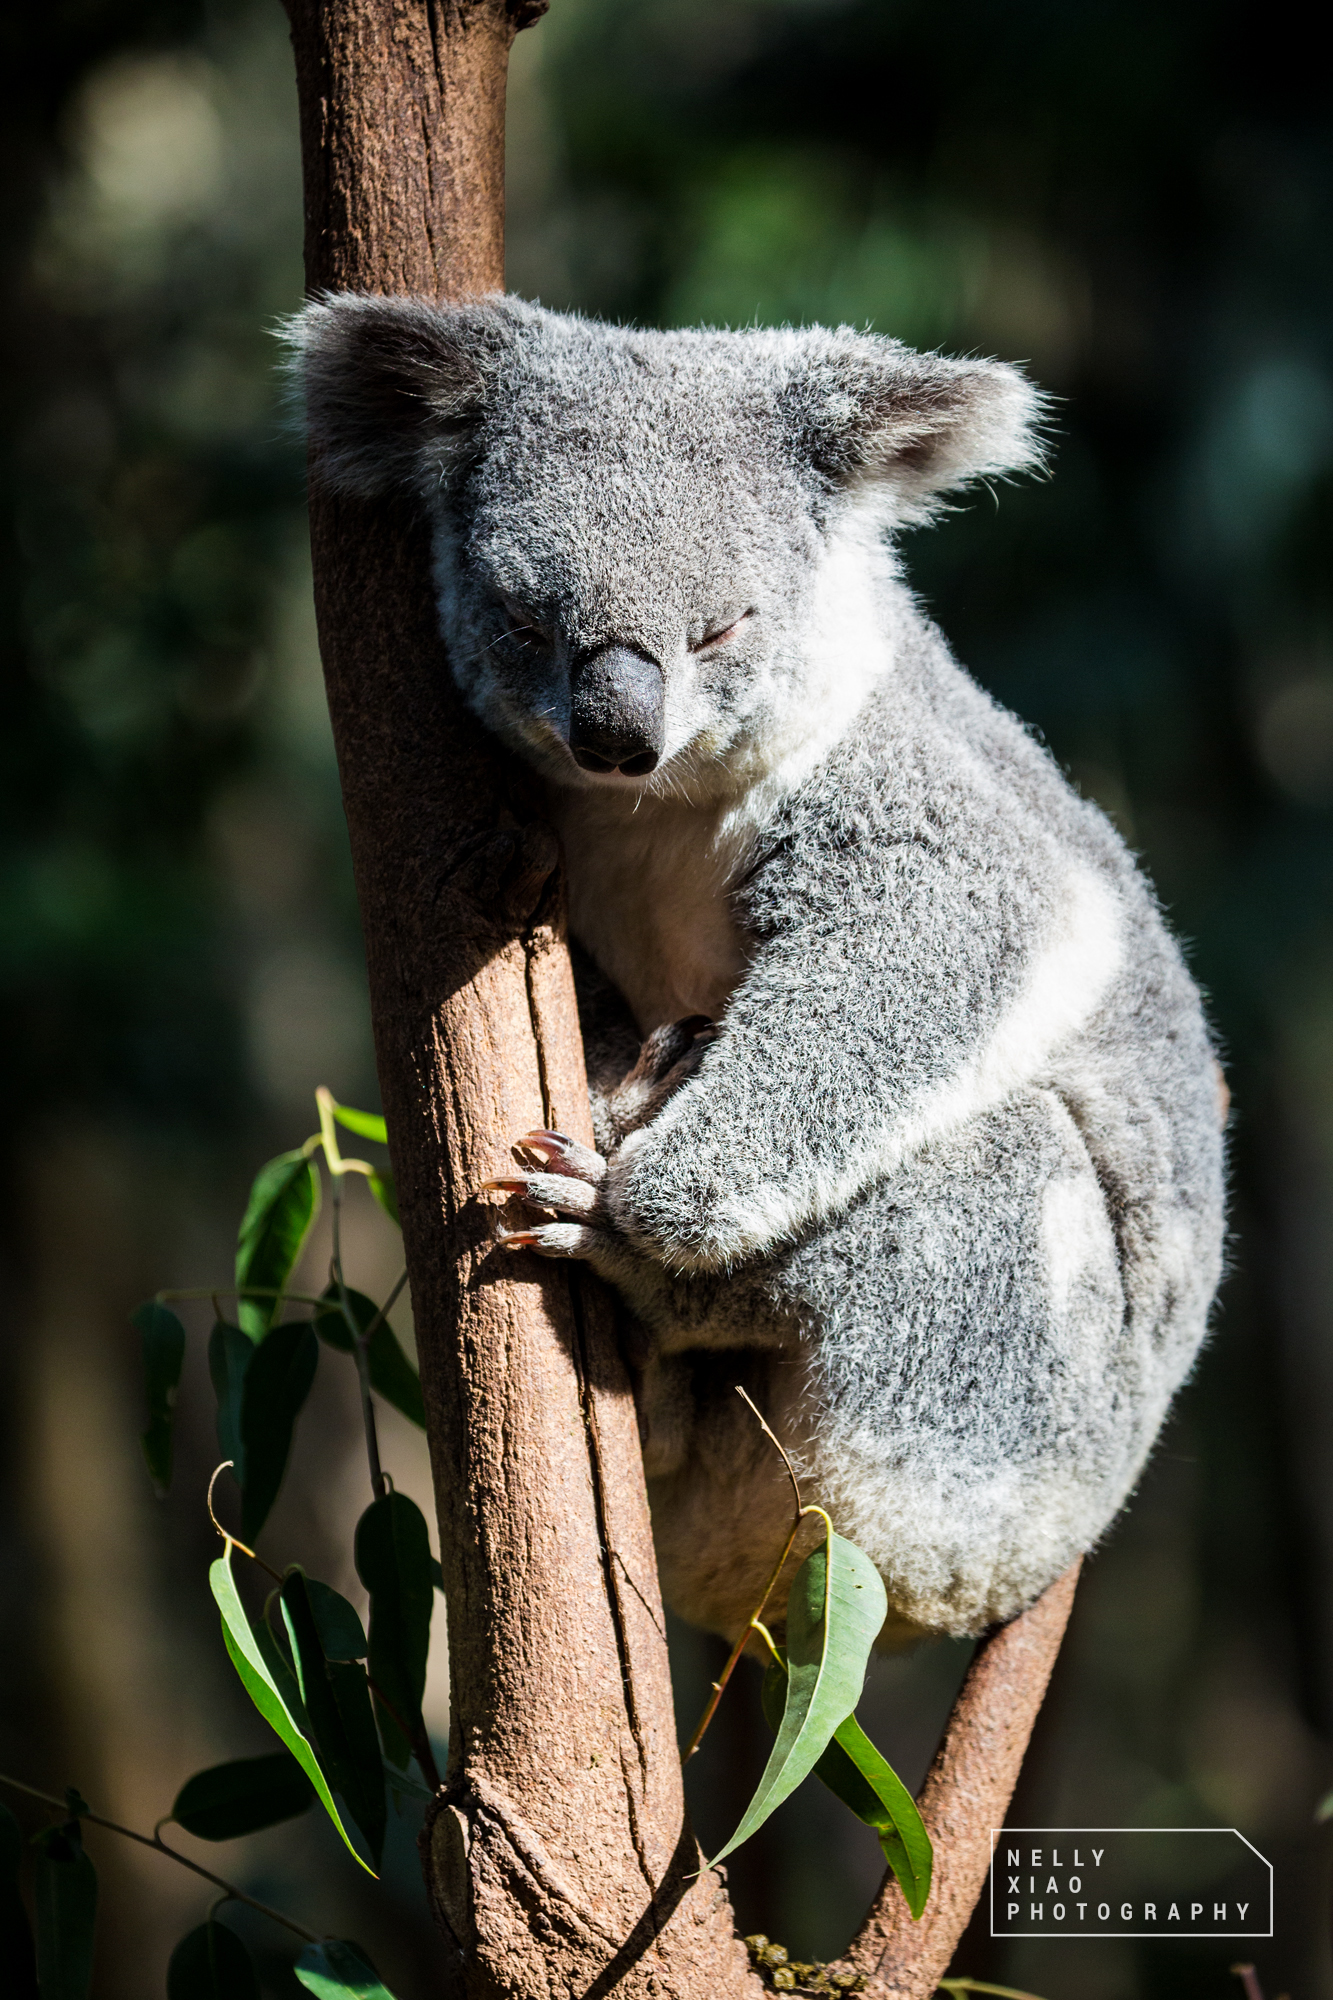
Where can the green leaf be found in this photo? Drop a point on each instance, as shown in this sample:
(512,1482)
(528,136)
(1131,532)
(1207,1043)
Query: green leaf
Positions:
(342,1636)
(18,1960)
(337,1701)
(276,1384)
(251,1658)
(284,1201)
(436,1576)
(835,1609)
(855,1772)
(393,1561)
(65,1891)
(335,1970)
(163,1339)
(228,1800)
(211,1963)
(367,1124)
(386,1194)
(230,1353)
(391,1373)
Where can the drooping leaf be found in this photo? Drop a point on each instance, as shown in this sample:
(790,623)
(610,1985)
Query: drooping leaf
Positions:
(836,1606)
(163,1339)
(393,1561)
(337,1701)
(366,1124)
(249,1657)
(386,1194)
(283,1203)
(281,1670)
(211,1963)
(65,1892)
(228,1800)
(341,1633)
(276,1384)
(18,1959)
(391,1373)
(855,1772)
(436,1576)
(336,1970)
(230,1353)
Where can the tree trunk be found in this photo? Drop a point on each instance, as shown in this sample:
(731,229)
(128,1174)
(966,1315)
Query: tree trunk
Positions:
(558,1859)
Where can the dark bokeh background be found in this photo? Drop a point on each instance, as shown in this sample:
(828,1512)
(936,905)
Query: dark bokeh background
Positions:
(1134,199)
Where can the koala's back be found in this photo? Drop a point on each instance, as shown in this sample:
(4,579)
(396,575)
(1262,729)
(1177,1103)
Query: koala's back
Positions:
(974,1332)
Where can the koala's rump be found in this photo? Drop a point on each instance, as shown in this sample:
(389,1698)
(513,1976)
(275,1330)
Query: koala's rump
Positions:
(972,1399)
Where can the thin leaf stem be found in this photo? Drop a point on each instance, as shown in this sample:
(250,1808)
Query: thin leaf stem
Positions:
(753,1624)
(959,1986)
(159,1846)
(418,1738)
(225,1533)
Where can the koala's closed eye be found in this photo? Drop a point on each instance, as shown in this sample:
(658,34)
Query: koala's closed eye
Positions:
(526,629)
(717,634)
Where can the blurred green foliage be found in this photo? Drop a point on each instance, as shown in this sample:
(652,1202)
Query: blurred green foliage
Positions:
(1134,199)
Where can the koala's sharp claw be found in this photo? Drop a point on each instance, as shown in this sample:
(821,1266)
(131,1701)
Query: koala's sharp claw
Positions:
(561,1192)
(563,1155)
(554,1239)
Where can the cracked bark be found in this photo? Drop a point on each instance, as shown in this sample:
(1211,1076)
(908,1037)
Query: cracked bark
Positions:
(558,1859)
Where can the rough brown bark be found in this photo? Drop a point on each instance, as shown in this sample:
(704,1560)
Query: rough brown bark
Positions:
(559,1859)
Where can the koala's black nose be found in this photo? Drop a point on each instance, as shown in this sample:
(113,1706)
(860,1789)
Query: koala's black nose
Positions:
(616,715)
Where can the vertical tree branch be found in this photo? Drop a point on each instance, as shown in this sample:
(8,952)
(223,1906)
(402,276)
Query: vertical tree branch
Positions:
(965,1799)
(559,1859)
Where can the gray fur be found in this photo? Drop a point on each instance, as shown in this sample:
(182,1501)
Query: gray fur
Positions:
(943,1186)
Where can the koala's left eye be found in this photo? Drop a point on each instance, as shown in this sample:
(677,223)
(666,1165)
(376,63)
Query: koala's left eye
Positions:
(722,632)
(526,630)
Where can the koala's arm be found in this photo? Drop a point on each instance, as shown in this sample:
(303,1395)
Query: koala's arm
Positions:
(897,987)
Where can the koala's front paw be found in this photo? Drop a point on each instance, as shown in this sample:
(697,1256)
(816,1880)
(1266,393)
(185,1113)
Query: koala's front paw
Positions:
(569,1181)
(668,1058)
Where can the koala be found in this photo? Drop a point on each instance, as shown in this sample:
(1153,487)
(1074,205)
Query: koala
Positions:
(906,1106)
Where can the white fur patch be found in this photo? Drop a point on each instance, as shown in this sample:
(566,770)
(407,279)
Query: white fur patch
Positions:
(650,876)
(1075,1239)
(1068,981)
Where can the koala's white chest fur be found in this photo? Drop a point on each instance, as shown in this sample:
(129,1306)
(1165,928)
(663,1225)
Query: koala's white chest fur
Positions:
(648,898)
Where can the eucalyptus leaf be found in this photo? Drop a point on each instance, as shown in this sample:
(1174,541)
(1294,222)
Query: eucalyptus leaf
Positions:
(335,1970)
(284,1202)
(163,1339)
(393,1561)
(18,1959)
(337,1701)
(836,1606)
(855,1772)
(211,1963)
(65,1892)
(229,1800)
(385,1191)
(230,1353)
(366,1124)
(391,1373)
(342,1636)
(276,1384)
(248,1656)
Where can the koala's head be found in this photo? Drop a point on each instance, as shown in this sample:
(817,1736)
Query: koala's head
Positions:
(637,533)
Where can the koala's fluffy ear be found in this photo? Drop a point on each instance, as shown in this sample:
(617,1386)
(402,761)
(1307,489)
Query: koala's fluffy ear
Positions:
(394,388)
(864,410)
